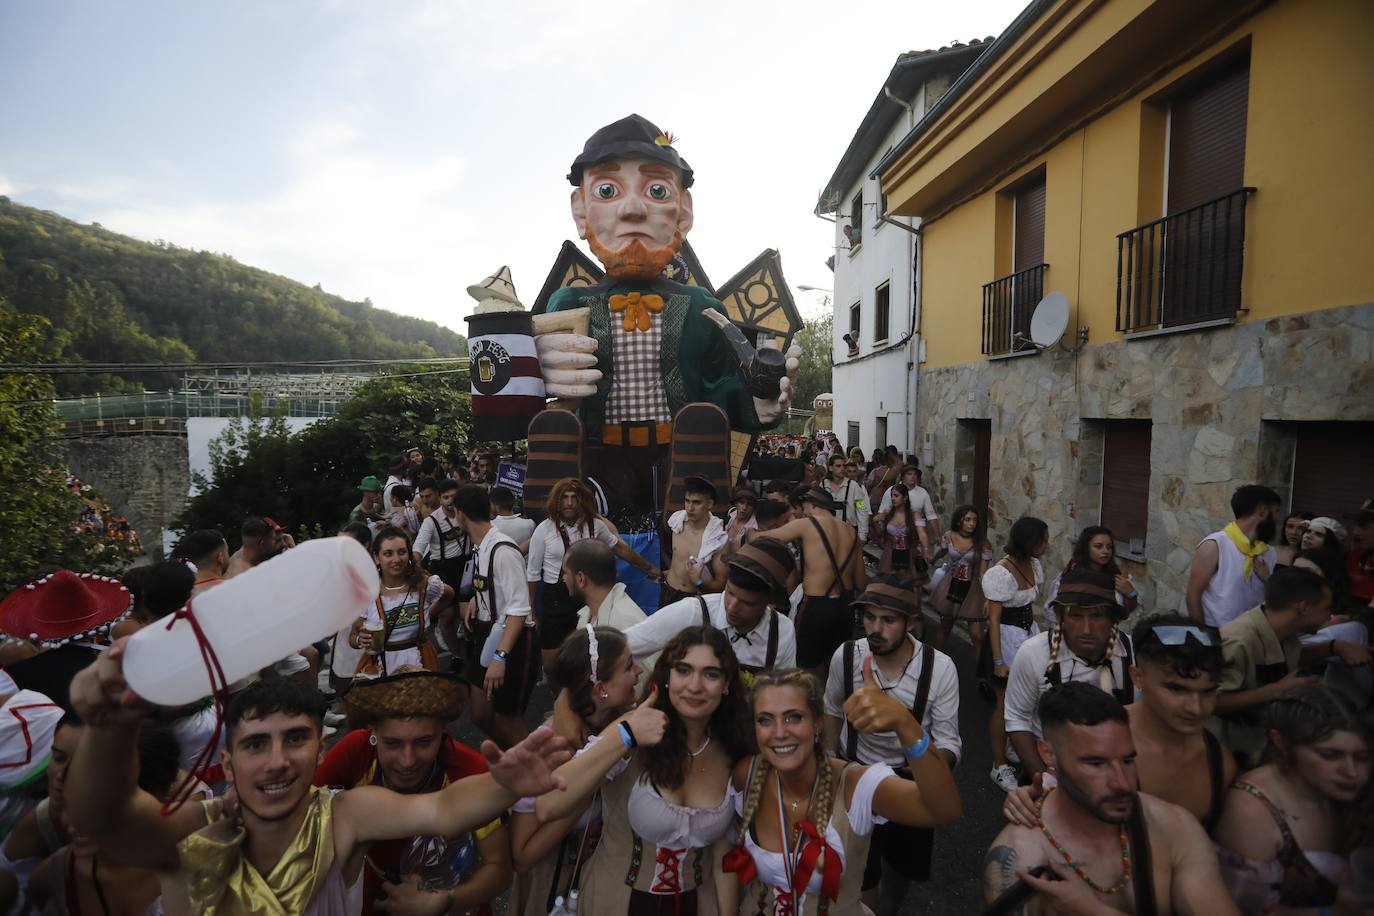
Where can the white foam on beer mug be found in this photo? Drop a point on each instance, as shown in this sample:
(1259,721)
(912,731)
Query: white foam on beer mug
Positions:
(254,619)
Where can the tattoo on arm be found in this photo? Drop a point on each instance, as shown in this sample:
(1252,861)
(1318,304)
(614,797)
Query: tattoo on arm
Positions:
(999,871)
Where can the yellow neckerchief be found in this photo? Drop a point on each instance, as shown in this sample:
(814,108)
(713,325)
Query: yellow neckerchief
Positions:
(1248,549)
(224,883)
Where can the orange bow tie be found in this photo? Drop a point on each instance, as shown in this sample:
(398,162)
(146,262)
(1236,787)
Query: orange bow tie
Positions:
(637,307)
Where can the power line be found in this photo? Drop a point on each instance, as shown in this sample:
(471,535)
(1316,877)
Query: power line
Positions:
(96,368)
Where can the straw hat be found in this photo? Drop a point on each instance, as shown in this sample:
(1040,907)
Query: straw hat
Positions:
(496,286)
(64,606)
(426,694)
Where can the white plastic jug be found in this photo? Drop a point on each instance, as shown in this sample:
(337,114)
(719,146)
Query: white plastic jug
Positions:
(254,619)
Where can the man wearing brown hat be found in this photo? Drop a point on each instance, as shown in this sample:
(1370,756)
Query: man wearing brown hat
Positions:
(403,745)
(755,586)
(653,346)
(1085,645)
(923,680)
(833,572)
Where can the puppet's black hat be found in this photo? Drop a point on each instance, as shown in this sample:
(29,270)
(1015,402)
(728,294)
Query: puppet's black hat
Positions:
(632,136)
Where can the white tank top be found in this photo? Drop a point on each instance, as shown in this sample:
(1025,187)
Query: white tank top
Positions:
(1229,594)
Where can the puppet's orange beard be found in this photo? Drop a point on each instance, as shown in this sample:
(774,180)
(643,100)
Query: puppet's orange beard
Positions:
(636,261)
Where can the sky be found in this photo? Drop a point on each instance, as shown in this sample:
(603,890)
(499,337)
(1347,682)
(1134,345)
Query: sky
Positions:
(402,151)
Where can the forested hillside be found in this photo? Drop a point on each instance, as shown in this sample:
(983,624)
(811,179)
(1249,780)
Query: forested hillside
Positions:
(112,298)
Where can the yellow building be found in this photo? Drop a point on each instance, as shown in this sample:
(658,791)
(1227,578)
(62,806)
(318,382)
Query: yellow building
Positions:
(1194,178)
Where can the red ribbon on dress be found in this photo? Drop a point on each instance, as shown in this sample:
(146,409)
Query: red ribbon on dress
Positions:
(811,852)
(739,861)
(219,687)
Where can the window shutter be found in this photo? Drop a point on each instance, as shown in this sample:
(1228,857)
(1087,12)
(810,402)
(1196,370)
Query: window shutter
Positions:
(1332,473)
(1207,139)
(1126,478)
(1030,226)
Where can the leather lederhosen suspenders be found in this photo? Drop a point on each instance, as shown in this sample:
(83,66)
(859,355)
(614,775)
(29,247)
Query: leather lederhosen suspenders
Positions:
(1125,694)
(918,706)
(389,619)
(834,564)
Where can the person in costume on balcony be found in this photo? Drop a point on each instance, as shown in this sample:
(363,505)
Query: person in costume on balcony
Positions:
(654,345)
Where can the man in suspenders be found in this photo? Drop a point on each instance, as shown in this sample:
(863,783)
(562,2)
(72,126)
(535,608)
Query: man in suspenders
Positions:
(755,584)
(920,678)
(1085,645)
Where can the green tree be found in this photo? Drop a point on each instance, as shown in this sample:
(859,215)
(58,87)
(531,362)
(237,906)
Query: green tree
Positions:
(310,478)
(38,511)
(813,375)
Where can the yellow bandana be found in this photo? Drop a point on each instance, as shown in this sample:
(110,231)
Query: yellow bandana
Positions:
(637,307)
(1248,549)
(224,883)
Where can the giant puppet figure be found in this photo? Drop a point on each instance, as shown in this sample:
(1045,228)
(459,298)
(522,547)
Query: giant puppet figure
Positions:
(653,346)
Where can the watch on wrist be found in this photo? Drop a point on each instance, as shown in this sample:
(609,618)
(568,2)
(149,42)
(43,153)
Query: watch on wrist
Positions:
(499,655)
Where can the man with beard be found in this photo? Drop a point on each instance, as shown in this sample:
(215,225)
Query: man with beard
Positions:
(589,575)
(1230,566)
(654,345)
(1105,847)
(404,747)
(924,681)
(1085,645)
(289,847)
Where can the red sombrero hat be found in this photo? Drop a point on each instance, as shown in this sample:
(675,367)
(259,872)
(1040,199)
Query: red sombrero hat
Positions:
(64,606)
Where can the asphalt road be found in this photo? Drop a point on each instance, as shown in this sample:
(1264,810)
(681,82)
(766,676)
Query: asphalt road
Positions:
(955,885)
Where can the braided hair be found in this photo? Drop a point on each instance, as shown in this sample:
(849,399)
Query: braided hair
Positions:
(809,687)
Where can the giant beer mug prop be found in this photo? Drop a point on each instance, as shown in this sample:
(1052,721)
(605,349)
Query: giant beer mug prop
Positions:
(251,621)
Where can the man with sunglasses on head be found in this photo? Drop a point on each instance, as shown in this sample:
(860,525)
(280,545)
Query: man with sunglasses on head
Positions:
(1177,673)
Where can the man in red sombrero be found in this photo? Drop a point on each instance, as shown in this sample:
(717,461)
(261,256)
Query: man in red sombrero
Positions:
(67,616)
(404,746)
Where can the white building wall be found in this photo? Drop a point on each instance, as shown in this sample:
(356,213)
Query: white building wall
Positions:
(880,382)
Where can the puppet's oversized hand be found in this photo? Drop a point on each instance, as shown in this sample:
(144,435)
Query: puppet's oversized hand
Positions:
(773,410)
(566,361)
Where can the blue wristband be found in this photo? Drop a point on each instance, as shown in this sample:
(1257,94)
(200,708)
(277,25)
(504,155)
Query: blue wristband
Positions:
(998,661)
(627,737)
(499,656)
(918,749)
(1133,595)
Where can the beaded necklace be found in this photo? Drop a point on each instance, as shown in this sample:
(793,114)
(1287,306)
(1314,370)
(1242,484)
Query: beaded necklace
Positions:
(1078,867)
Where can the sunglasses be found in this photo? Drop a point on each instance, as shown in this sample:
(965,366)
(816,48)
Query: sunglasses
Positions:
(1178,635)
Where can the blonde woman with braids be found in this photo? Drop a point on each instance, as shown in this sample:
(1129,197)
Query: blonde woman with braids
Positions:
(1086,644)
(791,787)
(663,772)
(597,676)
(1289,826)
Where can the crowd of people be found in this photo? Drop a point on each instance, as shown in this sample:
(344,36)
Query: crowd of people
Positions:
(777,734)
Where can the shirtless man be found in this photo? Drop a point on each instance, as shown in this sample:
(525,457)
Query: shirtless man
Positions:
(832,574)
(696,536)
(1177,671)
(273,745)
(1098,820)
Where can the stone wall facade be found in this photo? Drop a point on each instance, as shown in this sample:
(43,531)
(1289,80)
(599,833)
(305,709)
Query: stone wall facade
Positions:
(144,477)
(1217,399)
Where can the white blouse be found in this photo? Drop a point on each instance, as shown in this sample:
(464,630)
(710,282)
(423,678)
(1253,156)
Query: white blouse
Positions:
(771,866)
(999,584)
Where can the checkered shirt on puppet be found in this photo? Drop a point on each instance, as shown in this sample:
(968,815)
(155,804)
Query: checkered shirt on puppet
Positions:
(637,395)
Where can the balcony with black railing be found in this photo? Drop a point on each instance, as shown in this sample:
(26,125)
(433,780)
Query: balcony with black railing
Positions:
(1007,307)
(1184,269)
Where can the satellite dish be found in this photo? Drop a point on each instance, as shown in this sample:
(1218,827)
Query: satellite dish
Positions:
(1049,321)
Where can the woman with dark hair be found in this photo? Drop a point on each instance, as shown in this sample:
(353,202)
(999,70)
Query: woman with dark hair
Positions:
(1095,550)
(1324,532)
(1289,826)
(1290,537)
(798,805)
(596,677)
(898,534)
(958,590)
(1011,588)
(394,630)
(663,771)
